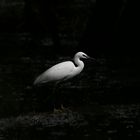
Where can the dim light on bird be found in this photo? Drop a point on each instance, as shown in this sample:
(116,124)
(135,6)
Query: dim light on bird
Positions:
(63,71)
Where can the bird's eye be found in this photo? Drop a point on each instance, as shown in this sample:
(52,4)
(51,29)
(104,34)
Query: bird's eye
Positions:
(84,55)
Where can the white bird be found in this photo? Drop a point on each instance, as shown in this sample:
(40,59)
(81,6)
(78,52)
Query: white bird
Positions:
(62,71)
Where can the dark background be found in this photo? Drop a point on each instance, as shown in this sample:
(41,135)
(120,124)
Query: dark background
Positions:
(102,102)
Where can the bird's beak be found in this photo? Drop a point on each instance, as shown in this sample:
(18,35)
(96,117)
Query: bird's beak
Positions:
(91,58)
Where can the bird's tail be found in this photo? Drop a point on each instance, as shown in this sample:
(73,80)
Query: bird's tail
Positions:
(37,81)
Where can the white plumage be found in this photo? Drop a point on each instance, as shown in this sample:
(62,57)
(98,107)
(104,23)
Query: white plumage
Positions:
(62,71)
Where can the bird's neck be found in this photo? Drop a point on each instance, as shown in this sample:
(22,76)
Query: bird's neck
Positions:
(78,62)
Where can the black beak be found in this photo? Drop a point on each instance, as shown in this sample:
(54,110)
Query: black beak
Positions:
(91,58)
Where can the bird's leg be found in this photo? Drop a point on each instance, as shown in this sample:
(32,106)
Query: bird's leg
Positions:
(55,96)
(54,88)
(55,110)
(57,99)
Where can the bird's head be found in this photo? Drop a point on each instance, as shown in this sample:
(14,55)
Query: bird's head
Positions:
(83,55)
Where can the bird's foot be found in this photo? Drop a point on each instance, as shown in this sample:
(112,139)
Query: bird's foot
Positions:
(57,110)
(60,110)
(63,108)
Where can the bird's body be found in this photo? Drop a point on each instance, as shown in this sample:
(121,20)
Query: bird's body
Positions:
(62,71)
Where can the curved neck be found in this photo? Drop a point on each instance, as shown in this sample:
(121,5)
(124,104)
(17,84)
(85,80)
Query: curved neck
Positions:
(78,62)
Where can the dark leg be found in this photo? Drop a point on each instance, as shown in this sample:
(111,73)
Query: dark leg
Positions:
(54,96)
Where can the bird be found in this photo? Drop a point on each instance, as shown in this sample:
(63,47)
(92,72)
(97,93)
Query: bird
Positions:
(63,71)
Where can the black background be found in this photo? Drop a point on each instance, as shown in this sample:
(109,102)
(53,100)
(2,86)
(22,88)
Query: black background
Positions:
(102,102)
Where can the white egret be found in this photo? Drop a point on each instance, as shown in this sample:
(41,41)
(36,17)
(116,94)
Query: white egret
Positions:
(62,71)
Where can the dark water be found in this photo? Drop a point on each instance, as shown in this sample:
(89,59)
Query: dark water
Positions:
(97,106)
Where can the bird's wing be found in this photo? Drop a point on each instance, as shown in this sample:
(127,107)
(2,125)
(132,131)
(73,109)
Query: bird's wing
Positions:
(57,72)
